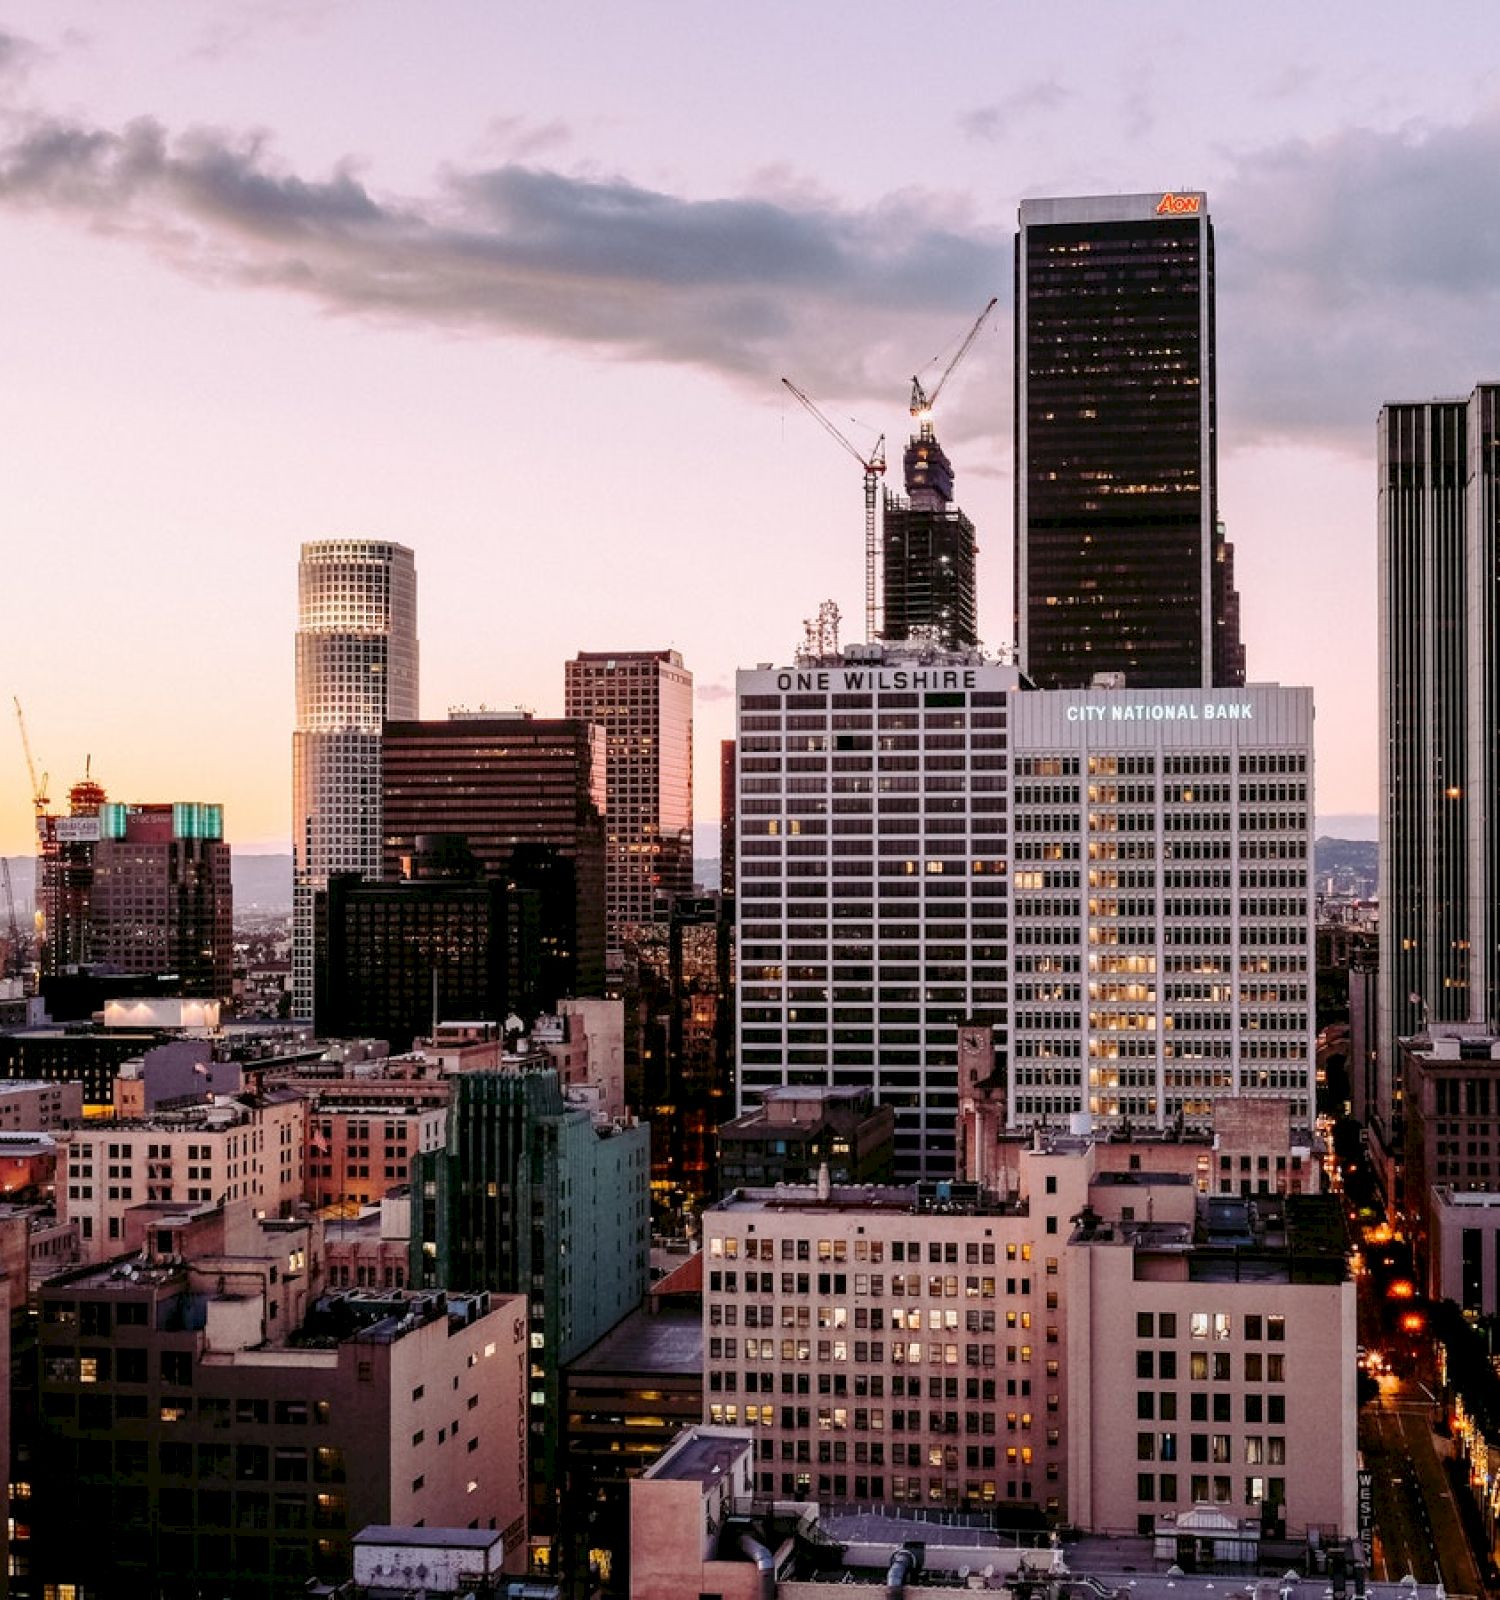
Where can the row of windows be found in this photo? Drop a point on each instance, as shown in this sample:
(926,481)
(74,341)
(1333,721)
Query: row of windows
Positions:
(731,1247)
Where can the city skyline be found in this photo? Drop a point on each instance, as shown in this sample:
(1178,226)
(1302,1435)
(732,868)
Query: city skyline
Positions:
(487,267)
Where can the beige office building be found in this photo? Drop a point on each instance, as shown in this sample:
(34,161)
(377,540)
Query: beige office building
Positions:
(963,1346)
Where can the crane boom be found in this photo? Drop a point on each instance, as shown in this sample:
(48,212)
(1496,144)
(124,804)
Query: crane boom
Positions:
(38,790)
(873,467)
(922,402)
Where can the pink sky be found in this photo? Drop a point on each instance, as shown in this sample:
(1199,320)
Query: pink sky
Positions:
(516,287)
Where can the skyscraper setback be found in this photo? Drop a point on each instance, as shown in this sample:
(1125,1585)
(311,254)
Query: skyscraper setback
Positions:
(1121,564)
(356,668)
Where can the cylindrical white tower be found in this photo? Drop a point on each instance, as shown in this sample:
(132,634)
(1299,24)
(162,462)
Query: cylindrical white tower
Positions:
(356,669)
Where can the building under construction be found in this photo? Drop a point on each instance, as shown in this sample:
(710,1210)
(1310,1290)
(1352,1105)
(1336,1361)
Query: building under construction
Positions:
(929,553)
(65,879)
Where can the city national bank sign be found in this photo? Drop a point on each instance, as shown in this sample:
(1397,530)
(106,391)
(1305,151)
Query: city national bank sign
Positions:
(849,678)
(1182,711)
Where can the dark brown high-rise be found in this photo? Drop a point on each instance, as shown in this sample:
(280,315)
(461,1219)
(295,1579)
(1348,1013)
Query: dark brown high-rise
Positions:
(1121,564)
(528,796)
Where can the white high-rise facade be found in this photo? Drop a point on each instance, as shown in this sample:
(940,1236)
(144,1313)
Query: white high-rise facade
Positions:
(871,844)
(1161,903)
(356,670)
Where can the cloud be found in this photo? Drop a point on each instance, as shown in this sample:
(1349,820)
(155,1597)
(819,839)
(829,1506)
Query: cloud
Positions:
(714,691)
(742,286)
(994,121)
(17,55)
(1354,269)
(1358,269)
(519,138)
(254,22)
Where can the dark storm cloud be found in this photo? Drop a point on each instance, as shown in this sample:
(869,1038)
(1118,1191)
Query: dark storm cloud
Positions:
(738,285)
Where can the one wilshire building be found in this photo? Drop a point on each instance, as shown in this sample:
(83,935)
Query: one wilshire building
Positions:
(871,843)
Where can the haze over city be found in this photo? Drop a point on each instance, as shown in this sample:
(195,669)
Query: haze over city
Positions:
(519,294)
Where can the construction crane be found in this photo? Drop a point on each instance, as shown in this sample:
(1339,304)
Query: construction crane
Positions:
(15,959)
(922,402)
(873,467)
(38,790)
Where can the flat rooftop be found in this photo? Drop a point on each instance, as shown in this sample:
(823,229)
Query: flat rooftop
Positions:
(914,1200)
(699,1457)
(430,1538)
(670,1343)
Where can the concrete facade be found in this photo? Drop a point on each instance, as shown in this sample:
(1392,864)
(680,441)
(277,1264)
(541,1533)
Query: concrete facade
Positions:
(1188,1387)
(248,1465)
(939,1345)
(363,1138)
(249,1149)
(795,1131)
(34,1105)
(1161,902)
(871,862)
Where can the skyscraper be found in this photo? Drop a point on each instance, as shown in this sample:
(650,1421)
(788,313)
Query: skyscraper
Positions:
(531,1189)
(643,700)
(1121,565)
(394,959)
(528,796)
(1439,699)
(162,900)
(871,856)
(1161,927)
(929,552)
(356,668)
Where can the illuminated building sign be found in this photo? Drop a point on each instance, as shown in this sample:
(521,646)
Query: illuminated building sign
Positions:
(850,678)
(1179,205)
(1188,711)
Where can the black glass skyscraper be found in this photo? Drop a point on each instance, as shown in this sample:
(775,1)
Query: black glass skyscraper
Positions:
(1121,565)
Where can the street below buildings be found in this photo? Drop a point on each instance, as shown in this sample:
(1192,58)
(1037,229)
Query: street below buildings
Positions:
(1418,1530)
(1417,1527)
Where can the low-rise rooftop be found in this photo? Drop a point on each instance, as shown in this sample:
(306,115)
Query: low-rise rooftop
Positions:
(670,1343)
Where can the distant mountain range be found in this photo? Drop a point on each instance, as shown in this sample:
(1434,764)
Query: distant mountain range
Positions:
(1353,864)
(261,883)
